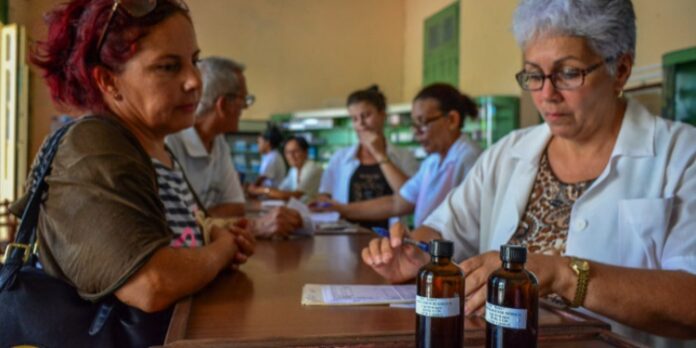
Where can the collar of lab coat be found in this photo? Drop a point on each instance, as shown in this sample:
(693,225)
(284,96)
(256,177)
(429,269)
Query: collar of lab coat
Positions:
(636,138)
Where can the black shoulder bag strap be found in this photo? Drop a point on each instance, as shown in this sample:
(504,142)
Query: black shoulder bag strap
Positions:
(19,252)
(188,183)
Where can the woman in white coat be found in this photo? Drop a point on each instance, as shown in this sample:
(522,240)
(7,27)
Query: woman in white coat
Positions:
(603,194)
(372,168)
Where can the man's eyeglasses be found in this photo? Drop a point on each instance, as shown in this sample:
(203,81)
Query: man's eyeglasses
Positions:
(422,127)
(563,79)
(249,99)
(135,9)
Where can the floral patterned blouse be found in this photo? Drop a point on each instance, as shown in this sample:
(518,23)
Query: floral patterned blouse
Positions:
(543,228)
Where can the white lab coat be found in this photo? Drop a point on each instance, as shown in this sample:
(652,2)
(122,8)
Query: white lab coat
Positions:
(336,178)
(640,212)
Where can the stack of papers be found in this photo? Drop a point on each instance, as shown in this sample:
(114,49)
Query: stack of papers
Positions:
(351,295)
(325,217)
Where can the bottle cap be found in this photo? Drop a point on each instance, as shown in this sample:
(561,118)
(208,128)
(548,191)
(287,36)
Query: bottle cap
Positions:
(441,248)
(513,253)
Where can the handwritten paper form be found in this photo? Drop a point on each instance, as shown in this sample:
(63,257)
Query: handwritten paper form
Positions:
(352,295)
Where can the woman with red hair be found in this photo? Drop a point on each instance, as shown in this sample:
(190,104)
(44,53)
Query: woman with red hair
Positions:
(118,219)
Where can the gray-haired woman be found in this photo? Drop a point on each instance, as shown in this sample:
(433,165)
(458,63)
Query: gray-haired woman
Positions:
(602,194)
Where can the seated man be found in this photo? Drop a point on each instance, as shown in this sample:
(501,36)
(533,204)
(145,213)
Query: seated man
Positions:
(205,156)
(438,117)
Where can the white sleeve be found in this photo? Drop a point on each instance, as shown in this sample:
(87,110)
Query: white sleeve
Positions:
(679,252)
(330,175)
(309,184)
(286,184)
(411,188)
(263,167)
(457,218)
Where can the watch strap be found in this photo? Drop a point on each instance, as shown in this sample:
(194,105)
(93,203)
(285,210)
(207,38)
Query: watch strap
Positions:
(583,280)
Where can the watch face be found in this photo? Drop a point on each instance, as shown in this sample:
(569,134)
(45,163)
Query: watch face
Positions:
(581,265)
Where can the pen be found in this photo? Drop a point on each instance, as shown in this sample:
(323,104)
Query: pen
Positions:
(421,245)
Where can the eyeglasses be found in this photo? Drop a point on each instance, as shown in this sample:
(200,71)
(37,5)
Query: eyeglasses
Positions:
(564,79)
(249,99)
(135,9)
(422,127)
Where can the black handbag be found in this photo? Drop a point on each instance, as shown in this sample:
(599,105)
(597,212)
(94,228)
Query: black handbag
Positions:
(40,310)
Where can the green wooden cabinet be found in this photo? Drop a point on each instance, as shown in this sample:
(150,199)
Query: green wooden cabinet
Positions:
(679,97)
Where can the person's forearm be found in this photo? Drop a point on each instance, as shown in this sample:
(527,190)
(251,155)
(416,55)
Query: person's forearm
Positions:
(259,180)
(425,234)
(376,209)
(395,176)
(284,195)
(227,210)
(650,300)
(171,274)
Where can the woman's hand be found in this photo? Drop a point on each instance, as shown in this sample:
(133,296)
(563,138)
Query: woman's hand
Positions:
(477,269)
(324,204)
(374,143)
(226,242)
(245,240)
(280,221)
(256,190)
(393,260)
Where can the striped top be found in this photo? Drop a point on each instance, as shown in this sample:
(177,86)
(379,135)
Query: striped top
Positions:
(179,204)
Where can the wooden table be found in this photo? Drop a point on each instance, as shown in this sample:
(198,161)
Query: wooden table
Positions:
(259,306)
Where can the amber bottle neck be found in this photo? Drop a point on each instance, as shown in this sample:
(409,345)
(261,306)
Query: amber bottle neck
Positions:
(440,260)
(513,266)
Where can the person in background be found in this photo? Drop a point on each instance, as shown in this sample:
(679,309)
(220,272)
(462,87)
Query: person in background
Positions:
(303,178)
(272,169)
(372,168)
(437,119)
(204,154)
(602,194)
(117,218)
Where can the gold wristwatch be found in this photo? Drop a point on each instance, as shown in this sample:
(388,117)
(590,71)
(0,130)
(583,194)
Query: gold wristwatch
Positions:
(582,270)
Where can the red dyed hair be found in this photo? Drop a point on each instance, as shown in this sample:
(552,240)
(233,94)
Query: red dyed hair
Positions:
(69,55)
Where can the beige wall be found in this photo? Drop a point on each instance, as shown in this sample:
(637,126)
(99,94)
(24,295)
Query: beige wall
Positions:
(416,12)
(41,109)
(490,57)
(300,54)
(663,26)
(488,54)
(304,54)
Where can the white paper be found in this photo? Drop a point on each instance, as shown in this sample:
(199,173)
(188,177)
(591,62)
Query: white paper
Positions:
(339,227)
(307,223)
(345,295)
(272,203)
(326,217)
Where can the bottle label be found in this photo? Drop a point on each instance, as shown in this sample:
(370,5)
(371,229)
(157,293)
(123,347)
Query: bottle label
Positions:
(437,307)
(511,318)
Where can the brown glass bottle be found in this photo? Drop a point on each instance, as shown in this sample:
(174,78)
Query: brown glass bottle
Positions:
(512,306)
(440,300)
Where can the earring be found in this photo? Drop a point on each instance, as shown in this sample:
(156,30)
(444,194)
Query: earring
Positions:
(621,93)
